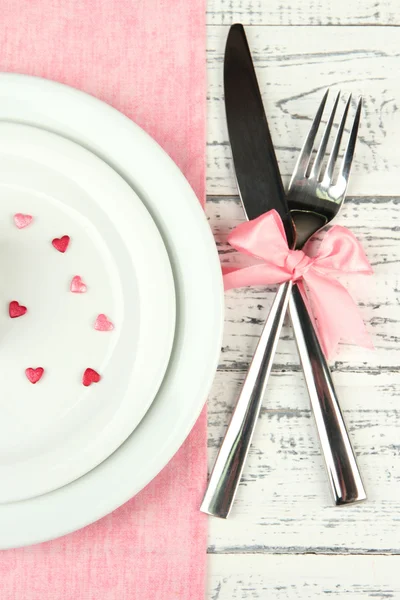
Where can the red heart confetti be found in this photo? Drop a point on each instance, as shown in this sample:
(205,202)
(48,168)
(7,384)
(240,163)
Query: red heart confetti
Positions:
(90,376)
(103,324)
(77,286)
(16,309)
(34,375)
(61,244)
(22,220)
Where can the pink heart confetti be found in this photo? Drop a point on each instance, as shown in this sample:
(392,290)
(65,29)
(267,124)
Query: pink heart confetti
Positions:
(77,286)
(90,376)
(22,220)
(61,244)
(34,375)
(15,309)
(103,324)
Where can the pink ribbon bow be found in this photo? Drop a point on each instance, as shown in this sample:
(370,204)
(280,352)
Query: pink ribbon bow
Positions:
(331,305)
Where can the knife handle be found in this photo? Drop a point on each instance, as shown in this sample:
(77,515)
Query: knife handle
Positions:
(343,473)
(228,467)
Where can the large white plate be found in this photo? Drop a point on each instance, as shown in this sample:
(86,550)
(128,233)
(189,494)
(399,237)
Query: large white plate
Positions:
(198,286)
(55,431)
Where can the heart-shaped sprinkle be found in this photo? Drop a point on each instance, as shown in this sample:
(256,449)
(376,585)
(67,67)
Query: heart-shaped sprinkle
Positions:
(90,376)
(22,220)
(34,375)
(16,309)
(103,324)
(61,244)
(77,286)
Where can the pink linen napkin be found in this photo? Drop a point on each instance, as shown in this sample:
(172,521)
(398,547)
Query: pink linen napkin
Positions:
(147,59)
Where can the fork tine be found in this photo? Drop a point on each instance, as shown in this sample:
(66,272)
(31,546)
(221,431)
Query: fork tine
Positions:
(335,150)
(305,153)
(317,166)
(351,144)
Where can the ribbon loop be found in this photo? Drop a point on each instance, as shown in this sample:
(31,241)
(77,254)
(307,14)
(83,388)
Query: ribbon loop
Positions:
(334,311)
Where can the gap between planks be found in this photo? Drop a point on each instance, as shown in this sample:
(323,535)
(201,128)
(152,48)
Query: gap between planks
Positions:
(293,70)
(298,25)
(224,217)
(298,550)
(358,13)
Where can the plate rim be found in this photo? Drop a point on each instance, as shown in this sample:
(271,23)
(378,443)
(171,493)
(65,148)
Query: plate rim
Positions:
(209,298)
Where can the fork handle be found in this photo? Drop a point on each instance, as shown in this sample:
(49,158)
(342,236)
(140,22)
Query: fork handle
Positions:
(343,473)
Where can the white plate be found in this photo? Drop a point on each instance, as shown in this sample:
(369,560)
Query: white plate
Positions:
(56,430)
(198,286)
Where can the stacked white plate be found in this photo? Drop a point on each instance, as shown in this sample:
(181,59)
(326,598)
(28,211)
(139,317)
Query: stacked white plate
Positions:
(145,316)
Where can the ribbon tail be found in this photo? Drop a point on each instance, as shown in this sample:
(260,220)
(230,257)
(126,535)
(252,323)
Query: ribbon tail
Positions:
(307,303)
(335,313)
(259,274)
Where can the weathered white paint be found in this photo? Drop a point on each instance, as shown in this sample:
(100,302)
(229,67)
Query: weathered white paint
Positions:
(284,539)
(294,66)
(298,12)
(283,503)
(303,577)
(375,223)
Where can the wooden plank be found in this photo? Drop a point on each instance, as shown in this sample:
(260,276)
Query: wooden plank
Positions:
(283,503)
(303,577)
(375,222)
(283,510)
(294,67)
(297,12)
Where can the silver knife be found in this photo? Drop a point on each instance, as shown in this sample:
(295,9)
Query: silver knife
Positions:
(260,188)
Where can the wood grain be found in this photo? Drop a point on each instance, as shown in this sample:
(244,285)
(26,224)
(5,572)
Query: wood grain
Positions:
(298,12)
(283,511)
(304,577)
(375,222)
(283,503)
(294,67)
(284,539)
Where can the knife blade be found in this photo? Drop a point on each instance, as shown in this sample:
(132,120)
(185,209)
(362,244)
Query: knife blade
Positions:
(256,167)
(260,188)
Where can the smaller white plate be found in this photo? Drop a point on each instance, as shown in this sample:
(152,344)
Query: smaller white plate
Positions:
(53,432)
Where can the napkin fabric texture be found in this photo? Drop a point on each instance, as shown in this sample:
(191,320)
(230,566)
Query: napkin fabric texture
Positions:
(147,59)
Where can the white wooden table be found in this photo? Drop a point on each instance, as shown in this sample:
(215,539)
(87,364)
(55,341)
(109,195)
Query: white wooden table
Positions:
(284,539)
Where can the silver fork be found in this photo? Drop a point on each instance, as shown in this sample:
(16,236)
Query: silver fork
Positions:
(313,202)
